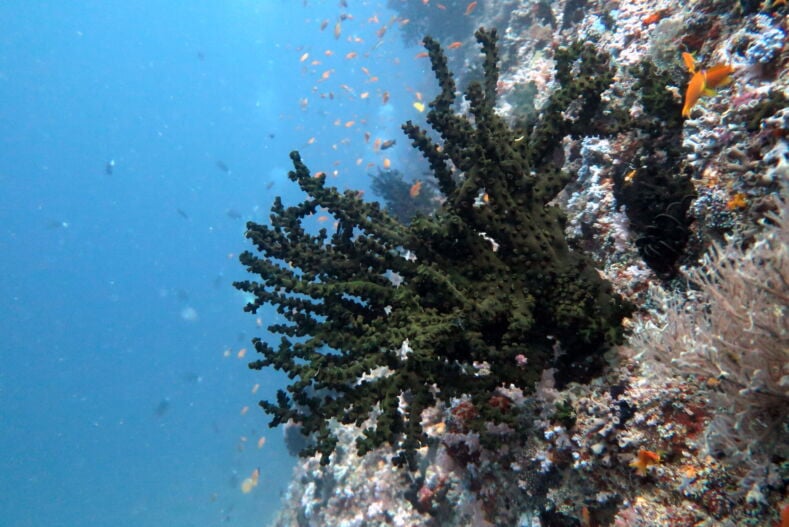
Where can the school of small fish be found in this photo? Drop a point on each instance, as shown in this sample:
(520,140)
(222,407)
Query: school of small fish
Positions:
(361,60)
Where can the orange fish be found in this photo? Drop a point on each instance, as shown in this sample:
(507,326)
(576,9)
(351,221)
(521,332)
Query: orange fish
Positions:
(694,91)
(311,140)
(348,124)
(319,174)
(387,163)
(421,55)
(373,79)
(719,75)
(470,8)
(326,74)
(365,71)
(322,218)
(455,45)
(364,95)
(241,353)
(350,55)
(415,189)
(255,388)
(655,17)
(261,442)
(377,144)
(304,57)
(328,53)
(704,82)
(689,61)
(644,459)
(337,30)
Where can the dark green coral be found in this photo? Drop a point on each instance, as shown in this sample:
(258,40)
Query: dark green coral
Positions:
(481,281)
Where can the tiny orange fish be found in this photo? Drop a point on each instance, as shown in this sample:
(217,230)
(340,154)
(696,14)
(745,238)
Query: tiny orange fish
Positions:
(328,53)
(387,163)
(351,55)
(373,79)
(718,75)
(689,61)
(455,45)
(377,144)
(655,17)
(364,95)
(365,71)
(337,30)
(322,218)
(644,459)
(304,57)
(421,55)
(381,32)
(319,174)
(325,75)
(241,353)
(470,8)
(415,189)
(348,124)
(311,140)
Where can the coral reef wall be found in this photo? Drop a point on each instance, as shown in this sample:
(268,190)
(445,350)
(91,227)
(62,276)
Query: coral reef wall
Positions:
(667,172)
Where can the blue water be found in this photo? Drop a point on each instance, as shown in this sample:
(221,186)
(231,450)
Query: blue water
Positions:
(118,404)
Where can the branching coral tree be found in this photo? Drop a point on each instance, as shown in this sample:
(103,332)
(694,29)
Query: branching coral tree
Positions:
(483,283)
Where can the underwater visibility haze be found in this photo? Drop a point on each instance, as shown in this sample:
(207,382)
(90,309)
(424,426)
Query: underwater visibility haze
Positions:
(136,138)
(394,262)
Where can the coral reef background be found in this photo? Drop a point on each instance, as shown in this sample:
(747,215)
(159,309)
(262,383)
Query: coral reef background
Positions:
(686,424)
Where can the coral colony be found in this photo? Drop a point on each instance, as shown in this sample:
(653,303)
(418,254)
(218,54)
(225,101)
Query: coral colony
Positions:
(464,331)
(487,278)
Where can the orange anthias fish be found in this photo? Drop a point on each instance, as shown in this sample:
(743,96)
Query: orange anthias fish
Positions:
(251,482)
(689,61)
(454,45)
(644,459)
(415,189)
(703,82)
(470,8)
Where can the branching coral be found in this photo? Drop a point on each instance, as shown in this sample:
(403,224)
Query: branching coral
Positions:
(483,283)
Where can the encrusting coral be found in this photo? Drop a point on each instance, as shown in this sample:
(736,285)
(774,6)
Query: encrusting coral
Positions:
(385,320)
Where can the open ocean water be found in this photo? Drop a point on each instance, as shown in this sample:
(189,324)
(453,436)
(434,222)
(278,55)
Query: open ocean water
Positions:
(136,139)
